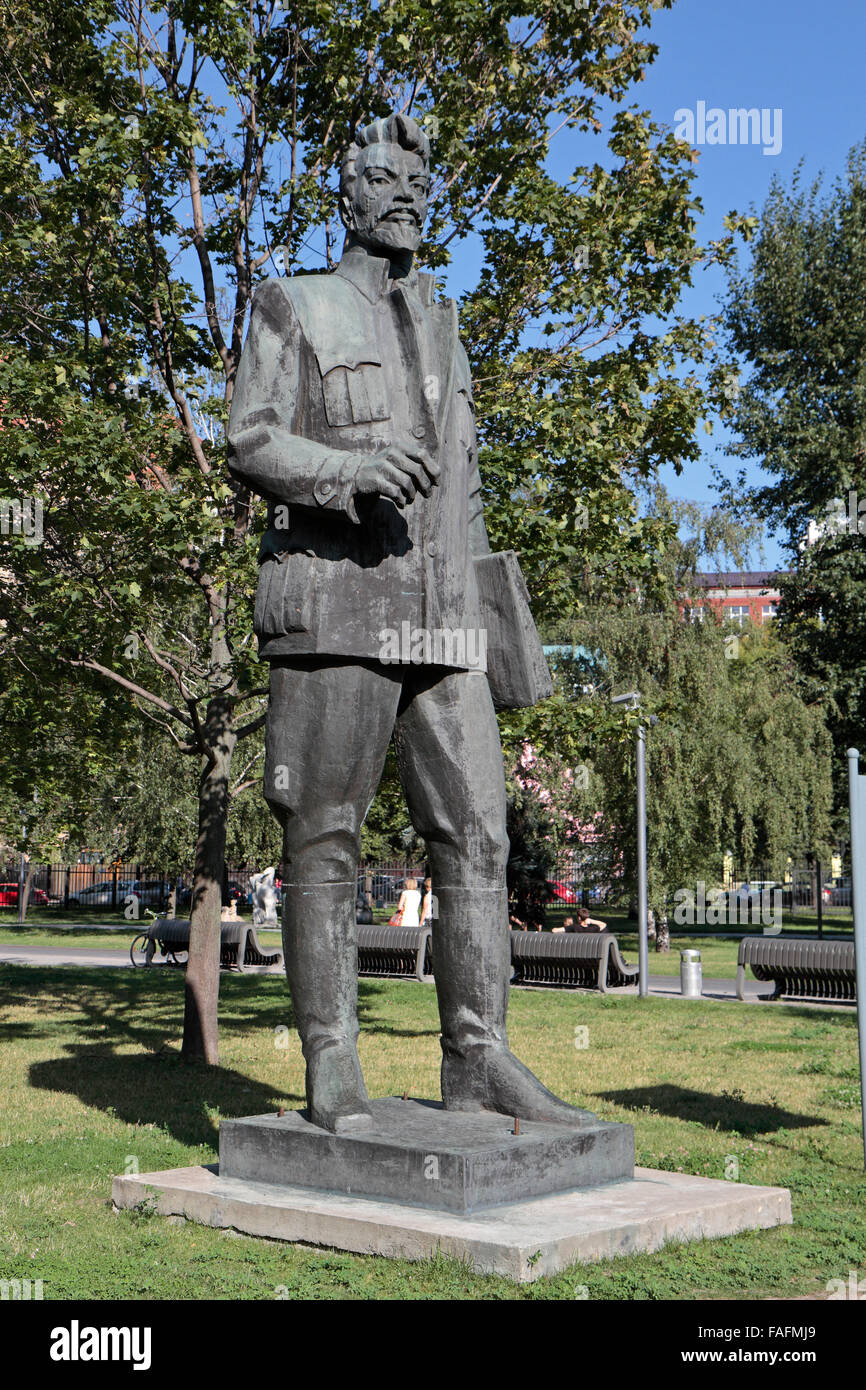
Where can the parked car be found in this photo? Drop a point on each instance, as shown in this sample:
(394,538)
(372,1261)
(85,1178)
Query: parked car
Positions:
(383,887)
(101,894)
(151,892)
(9,896)
(839,891)
(559,891)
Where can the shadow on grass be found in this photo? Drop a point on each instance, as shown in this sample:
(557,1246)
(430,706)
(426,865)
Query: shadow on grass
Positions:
(122,1030)
(186,1100)
(726,1112)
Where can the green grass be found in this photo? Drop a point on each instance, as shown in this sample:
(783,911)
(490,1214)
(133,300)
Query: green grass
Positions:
(66,937)
(92,1085)
(47,916)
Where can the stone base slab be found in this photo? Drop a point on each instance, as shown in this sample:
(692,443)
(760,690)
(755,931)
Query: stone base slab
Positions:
(419,1154)
(522,1241)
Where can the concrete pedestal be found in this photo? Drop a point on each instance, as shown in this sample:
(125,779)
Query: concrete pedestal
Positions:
(521,1241)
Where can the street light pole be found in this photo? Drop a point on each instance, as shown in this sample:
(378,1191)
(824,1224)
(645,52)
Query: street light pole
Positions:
(21,874)
(632,699)
(857,804)
(642,914)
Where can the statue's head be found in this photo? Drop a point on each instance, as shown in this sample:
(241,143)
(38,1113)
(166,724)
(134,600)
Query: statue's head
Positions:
(383,185)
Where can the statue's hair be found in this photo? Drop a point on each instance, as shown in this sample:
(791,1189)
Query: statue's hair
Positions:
(389,130)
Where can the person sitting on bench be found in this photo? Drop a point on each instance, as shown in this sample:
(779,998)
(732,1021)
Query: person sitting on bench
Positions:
(585,923)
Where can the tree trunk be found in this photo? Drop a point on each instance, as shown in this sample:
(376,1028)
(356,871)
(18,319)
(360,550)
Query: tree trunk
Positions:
(25,894)
(663,931)
(200,1026)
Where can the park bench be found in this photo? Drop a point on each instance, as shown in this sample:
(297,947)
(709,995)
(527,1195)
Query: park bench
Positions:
(798,968)
(239,944)
(401,951)
(572,960)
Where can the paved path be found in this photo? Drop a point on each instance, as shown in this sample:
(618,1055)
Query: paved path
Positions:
(64,955)
(666,986)
(30,925)
(661,986)
(93,956)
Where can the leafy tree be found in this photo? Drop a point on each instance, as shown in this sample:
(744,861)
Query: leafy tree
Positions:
(796,317)
(54,758)
(145,808)
(737,759)
(156,161)
(531,857)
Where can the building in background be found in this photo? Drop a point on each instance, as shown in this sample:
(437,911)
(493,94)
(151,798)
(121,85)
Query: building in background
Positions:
(738,596)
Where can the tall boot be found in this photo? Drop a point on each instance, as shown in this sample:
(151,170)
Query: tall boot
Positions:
(321,953)
(472,966)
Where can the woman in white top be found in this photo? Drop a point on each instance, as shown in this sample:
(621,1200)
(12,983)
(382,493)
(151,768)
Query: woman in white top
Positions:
(409,904)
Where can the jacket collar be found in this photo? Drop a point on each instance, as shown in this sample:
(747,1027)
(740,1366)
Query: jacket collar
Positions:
(369,274)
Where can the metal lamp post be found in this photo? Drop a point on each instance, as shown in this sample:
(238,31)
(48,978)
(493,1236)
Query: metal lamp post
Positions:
(632,700)
(857,794)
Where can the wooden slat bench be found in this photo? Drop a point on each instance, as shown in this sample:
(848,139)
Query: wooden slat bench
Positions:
(239,943)
(799,969)
(400,951)
(572,960)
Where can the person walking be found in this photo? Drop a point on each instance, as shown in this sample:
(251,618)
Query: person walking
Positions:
(409,904)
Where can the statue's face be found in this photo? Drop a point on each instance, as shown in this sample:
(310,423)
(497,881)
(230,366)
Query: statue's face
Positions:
(387,205)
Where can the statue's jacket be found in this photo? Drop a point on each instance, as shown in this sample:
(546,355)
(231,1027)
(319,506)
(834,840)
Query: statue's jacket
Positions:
(335,367)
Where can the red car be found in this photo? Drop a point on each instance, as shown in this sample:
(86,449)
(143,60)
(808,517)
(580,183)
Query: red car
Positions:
(9,896)
(564,892)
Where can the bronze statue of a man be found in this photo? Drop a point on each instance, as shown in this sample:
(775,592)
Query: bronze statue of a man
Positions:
(353,416)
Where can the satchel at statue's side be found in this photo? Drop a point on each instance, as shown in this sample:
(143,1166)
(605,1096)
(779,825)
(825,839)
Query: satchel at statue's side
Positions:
(517,669)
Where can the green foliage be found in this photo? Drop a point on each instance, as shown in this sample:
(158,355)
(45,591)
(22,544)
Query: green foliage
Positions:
(796,316)
(54,758)
(151,165)
(738,761)
(531,858)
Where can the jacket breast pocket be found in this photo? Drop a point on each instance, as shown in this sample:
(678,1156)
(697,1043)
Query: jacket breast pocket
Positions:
(354,395)
(285,596)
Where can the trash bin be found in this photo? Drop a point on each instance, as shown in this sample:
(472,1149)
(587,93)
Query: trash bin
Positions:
(690,974)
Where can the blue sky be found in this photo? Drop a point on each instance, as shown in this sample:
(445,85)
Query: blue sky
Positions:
(806,59)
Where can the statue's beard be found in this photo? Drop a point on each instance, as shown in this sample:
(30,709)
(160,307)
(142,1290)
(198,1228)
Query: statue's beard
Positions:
(388,236)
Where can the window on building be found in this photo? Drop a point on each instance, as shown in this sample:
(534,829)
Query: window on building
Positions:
(696,613)
(738,613)
(768,612)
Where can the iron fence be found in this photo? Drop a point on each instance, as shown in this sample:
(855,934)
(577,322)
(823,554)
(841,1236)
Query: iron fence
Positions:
(102,887)
(581,877)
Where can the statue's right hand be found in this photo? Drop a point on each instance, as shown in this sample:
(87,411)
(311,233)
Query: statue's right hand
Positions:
(398,473)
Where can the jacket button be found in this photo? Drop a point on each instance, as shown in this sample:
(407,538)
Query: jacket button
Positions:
(419,432)
(432,548)
(324,487)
